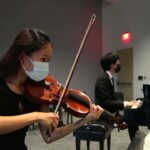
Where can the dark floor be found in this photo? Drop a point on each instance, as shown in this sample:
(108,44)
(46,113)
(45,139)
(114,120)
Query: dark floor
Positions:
(119,141)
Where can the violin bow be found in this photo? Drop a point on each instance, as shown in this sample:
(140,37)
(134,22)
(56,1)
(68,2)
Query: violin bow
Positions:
(106,114)
(74,63)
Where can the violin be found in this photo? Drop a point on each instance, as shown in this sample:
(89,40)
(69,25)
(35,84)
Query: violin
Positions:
(49,91)
(75,102)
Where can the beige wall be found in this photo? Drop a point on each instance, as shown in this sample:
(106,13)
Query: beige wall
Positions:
(133,16)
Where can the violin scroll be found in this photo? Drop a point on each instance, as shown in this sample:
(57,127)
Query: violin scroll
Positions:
(115,120)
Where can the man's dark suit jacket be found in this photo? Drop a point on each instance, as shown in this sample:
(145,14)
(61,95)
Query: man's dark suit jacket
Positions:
(105,94)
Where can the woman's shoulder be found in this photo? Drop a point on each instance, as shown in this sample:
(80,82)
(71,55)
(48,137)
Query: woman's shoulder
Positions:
(4,89)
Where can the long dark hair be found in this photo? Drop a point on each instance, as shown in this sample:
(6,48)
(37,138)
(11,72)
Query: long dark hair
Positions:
(26,42)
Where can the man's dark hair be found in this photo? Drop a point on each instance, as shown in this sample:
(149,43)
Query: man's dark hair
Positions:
(108,59)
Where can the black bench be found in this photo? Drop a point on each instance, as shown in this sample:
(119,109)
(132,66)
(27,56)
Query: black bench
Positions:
(93,132)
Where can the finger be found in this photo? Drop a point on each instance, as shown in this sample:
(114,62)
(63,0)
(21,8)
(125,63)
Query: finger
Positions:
(54,116)
(100,108)
(56,121)
(99,111)
(91,107)
(94,107)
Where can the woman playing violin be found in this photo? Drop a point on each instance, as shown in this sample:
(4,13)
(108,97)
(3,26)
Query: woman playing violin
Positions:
(28,58)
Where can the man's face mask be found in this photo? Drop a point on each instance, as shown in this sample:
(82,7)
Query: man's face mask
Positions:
(117,69)
(39,72)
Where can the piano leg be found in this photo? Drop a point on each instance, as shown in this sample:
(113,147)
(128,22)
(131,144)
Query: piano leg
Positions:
(132,131)
(134,118)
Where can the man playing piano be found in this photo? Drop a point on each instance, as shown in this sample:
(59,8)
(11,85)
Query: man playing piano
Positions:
(105,95)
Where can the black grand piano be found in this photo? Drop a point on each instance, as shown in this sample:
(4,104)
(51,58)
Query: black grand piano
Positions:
(140,116)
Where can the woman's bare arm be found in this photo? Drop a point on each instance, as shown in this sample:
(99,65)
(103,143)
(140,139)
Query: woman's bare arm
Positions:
(50,135)
(13,123)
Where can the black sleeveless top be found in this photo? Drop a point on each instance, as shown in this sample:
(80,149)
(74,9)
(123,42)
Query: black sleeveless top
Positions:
(10,103)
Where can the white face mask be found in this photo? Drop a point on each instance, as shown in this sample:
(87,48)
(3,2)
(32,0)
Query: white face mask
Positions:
(39,72)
